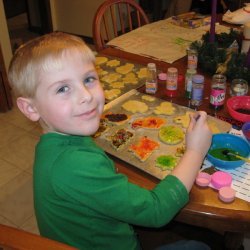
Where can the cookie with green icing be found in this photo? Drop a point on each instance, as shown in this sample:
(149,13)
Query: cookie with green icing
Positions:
(166,162)
(171,134)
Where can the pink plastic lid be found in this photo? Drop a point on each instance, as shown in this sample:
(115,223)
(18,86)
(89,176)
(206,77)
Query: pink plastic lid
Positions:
(226,194)
(203,179)
(221,179)
(162,76)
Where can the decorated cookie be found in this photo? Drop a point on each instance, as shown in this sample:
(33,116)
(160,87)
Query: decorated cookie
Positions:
(171,134)
(151,122)
(134,106)
(120,138)
(165,162)
(103,126)
(144,148)
(116,118)
(165,108)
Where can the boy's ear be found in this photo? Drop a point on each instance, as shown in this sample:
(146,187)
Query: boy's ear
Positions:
(27,108)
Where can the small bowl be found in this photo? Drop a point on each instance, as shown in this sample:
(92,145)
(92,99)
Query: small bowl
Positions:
(239,108)
(228,141)
(246,130)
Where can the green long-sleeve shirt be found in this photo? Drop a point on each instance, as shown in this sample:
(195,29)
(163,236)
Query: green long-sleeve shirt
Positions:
(81,200)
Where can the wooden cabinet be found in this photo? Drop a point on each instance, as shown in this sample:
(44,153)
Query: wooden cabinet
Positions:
(5,95)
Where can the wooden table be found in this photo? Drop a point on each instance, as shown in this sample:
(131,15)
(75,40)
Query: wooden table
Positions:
(204,208)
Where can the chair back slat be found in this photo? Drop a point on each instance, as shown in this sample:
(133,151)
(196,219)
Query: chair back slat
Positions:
(121,18)
(116,17)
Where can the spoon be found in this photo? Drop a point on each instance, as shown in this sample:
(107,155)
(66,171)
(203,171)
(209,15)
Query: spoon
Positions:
(226,152)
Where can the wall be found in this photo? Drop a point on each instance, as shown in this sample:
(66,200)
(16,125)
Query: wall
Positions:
(74,16)
(4,37)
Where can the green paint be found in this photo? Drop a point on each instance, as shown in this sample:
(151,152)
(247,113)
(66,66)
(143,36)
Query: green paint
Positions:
(218,153)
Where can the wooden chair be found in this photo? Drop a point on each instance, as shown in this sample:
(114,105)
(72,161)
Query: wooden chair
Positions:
(16,239)
(114,18)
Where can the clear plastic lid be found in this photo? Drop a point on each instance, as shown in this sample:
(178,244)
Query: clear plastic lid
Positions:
(198,79)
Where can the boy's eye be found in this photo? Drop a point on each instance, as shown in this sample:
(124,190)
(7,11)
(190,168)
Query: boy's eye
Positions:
(63,89)
(90,79)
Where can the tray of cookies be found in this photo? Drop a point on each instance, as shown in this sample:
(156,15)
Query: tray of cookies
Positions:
(147,132)
(118,76)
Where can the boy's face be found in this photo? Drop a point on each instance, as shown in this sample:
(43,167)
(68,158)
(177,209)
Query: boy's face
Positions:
(70,100)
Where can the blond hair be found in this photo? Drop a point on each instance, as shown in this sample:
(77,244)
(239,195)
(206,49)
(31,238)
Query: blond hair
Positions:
(39,55)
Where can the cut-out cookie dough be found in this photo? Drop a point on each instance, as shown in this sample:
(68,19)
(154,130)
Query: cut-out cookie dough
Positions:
(125,69)
(142,73)
(165,108)
(117,85)
(112,93)
(130,78)
(135,106)
(113,63)
(100,60)
(111,77)
(148,98)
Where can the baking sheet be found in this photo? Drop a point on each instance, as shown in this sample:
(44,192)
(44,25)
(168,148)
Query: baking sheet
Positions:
(112,69)
(164,149)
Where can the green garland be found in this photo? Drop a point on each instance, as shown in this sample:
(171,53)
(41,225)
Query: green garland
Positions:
(217,56)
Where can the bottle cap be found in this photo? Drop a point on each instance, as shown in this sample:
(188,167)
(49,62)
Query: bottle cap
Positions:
(226,194)
(172,70)
(151,66)
(203,179)
(191,71)
(198,79)
(162,76)
(221,179)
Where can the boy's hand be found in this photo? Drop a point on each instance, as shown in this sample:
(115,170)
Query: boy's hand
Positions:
(198,136)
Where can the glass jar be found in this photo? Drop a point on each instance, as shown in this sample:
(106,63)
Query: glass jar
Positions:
(188,82)
(151,80)
(239,87)
(192,58)
(218,91)
(172,82)
(197,90)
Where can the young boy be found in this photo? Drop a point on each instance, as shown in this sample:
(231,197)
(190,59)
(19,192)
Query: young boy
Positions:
(79,198)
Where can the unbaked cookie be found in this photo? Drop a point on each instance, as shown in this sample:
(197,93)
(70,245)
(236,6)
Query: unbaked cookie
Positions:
(112,93)
(165,108)
(135,106)
(125,69)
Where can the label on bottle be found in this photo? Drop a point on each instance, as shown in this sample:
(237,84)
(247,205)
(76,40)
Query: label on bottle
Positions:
(197,94)
(217,96)
(188,87)
(192,61)
(171,83)
(151,87)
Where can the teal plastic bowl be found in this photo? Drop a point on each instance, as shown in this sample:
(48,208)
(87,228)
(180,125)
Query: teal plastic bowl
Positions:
(231,142)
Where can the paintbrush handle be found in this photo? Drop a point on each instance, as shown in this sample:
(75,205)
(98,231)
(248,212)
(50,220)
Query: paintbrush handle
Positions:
(240,157)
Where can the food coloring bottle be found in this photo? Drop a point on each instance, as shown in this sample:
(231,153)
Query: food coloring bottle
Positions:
(218,92)
(197,90)
(188,82)
(172,82)
(151,80)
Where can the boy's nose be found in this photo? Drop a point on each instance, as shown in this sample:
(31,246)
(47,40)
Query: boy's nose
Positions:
(84,94)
